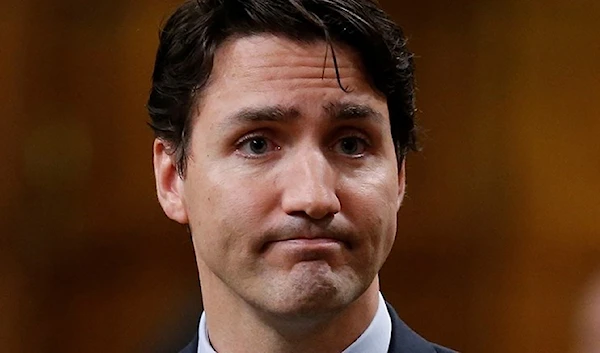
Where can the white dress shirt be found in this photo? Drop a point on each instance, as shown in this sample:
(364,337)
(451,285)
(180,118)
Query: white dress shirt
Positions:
(375,339)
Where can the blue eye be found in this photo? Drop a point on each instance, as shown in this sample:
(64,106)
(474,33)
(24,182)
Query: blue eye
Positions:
(352,146)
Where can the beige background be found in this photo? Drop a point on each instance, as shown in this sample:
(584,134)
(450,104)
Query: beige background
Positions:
(497,237)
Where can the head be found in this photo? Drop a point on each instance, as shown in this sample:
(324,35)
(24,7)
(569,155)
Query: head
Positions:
(281,129)
(192,35)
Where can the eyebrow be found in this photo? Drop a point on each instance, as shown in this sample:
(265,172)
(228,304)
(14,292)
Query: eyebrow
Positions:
(351,111)
(275,113)
(336,111)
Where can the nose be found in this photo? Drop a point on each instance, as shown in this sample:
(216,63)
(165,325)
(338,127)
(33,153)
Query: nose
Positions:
(309,186)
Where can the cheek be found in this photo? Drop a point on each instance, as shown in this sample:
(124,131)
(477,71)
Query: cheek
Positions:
(226,208)
(374,192)
(372,205)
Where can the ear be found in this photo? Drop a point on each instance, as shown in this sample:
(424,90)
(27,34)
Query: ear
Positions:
(401,182)
(169,184)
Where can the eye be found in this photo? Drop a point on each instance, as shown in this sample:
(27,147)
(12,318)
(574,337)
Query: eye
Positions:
(253,146)
(351,146)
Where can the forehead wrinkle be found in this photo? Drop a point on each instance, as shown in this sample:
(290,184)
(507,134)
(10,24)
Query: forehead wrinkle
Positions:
(291,70)
(301,58)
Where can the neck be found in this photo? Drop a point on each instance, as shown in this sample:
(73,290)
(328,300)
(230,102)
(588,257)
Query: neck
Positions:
(235,326)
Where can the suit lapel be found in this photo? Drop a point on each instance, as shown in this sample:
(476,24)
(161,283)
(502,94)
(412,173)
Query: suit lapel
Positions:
(405,340)
(192,347)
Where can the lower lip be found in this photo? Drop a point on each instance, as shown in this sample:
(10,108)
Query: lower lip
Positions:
(305,250)
(311,244)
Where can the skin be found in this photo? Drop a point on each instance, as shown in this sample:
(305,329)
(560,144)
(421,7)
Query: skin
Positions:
(291,194)
(587,326)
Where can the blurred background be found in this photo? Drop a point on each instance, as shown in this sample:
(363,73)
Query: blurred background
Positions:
(498,248)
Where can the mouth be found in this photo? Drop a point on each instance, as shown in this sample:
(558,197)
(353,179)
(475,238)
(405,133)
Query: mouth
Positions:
(305,244)
(303,237)
(311,241)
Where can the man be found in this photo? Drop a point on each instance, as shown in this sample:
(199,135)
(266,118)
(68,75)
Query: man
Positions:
(281,130)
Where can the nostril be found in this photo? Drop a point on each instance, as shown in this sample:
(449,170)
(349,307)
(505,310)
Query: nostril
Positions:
(321,211)
(316,204)
(309,186)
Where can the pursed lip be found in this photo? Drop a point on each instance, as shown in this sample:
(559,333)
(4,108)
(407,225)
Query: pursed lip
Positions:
(309,235)
(315,241)
(309,241)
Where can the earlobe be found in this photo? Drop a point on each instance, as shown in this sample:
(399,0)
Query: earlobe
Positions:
(401,182)
(169,184)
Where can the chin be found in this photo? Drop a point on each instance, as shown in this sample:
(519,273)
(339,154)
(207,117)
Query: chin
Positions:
(313,289)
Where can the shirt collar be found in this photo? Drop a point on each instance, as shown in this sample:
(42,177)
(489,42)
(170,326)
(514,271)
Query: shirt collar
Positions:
(376,338)
(203,342)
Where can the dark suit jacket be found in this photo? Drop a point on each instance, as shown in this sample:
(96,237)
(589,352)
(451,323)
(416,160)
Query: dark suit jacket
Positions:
(404,340)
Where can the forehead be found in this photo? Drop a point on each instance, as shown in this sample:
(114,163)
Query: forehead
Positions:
(264,61)
(255,72)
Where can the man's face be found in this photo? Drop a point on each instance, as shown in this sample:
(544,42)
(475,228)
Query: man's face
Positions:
(292,185)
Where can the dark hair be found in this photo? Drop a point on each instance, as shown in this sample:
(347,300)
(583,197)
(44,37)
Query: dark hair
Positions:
(193,33)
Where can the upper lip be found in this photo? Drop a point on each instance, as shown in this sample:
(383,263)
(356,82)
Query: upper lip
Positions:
(308,238)
(307,234)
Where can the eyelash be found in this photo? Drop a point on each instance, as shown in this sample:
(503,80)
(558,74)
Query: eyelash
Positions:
(247,138)
(356,135)
(260,135)
(360,137)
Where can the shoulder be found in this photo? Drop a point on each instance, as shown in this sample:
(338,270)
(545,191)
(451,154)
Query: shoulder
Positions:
(405,340)
(192,347)
(440,349)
